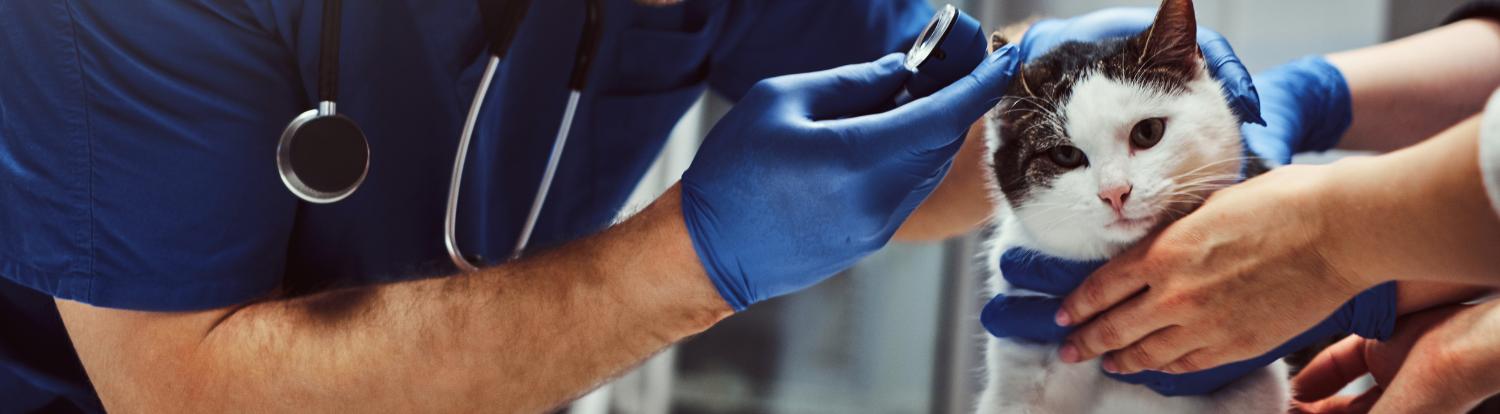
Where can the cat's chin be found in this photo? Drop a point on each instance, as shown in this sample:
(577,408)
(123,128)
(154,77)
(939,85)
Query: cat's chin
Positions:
(1130,227)
(1081,244)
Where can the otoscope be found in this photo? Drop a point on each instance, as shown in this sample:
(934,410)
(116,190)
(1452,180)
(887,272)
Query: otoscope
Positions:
(950,47)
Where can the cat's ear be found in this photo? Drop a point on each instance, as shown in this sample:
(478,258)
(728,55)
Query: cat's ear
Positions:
(998,39)
(1172,40)
(1021,77)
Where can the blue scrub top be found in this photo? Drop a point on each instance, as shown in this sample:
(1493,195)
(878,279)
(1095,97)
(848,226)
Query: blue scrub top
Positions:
(137,142)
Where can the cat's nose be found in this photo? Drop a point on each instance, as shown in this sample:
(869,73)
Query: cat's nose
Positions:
(1115,196)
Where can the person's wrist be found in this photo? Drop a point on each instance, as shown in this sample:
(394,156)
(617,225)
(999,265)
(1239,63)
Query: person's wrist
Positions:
(665,275)
(1336,191)
(1476,351)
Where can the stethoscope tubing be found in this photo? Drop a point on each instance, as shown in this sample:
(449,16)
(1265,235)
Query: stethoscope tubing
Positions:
(558,144)
(455,182)
(583,58)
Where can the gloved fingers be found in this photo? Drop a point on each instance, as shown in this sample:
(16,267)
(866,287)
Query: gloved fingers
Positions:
(849,90)
(1039,38)
(1023,317)
(1114,22)
(1116,329)
(936,121)
(924,188)
(1226,67)
(901,207)
(1270,141)
(1153,352)
(1331,370)
(1121,22)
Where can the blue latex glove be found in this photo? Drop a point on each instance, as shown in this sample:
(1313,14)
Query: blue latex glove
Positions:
(1120,22)
(1371,314)
(804,177)
(1307,107)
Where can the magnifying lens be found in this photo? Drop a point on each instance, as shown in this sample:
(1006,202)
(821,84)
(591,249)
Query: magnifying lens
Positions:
(950,47)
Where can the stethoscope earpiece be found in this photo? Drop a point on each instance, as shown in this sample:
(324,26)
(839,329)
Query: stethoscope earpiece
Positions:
(322,156)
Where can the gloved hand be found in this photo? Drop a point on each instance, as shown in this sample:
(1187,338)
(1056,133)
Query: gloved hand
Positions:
(1371,314)
(1307,107)
(1120,22)
(802,178)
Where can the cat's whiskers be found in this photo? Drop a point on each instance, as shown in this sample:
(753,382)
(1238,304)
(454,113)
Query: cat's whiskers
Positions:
(1193,182)
(1209,181)
(1047,225)
(1072,208)
(1048,110)
(1213,164)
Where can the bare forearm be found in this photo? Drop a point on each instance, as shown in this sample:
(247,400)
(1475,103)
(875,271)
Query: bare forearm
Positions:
(521,337)
(1417,296)
(1411,89)
(1416,214)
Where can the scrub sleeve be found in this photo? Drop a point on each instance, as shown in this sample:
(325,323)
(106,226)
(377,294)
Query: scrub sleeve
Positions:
(134,152)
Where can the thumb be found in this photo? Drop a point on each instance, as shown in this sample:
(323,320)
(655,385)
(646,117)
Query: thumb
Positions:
(1226,67)
(950,111)
(848,90)
(1270,141)
(1337,366)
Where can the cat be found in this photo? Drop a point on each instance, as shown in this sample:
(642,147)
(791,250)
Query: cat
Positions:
(1095,145)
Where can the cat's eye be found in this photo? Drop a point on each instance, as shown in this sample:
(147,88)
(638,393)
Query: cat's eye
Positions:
(1147,132)
(1067,156)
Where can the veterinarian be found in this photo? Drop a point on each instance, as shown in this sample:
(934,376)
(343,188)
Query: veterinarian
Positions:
(1262,261)
(152,260)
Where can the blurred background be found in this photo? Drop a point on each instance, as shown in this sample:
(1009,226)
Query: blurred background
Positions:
(899,332)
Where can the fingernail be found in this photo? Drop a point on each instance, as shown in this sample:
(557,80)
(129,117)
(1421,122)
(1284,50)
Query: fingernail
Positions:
(1109,366)
(1062,318)
(1068,353)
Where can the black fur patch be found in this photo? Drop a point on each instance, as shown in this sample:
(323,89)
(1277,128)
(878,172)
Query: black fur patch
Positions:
(1163,57)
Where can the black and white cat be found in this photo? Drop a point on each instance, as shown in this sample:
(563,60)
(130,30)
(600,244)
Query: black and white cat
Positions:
(1095,145)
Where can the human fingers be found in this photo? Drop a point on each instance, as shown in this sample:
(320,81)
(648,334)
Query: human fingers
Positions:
(1156,350)
(1114,329)
(1331,370)
(1118,280)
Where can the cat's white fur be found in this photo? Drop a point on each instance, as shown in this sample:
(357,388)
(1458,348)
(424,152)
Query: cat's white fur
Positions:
(1200,151)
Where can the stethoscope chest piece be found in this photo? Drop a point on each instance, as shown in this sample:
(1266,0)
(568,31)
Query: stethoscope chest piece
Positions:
(322,156)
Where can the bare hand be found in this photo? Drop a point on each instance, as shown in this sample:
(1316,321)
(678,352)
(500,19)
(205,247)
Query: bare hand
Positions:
(1439,361)
(1229,282)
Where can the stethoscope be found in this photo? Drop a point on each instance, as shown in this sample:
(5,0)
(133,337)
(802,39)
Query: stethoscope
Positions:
(323,156)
